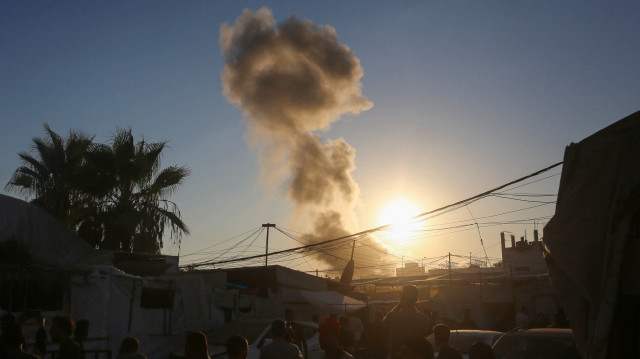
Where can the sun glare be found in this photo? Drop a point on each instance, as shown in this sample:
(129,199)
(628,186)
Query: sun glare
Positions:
(398,214)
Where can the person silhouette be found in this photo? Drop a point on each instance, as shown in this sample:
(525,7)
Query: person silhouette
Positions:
(404,319)
(62,327)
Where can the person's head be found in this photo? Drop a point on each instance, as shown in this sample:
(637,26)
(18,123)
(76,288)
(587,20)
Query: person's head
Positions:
(62,326)
(278,328)
(329,331)
(82,330)
(237,347)
(196,346)
(415,347)
(129,345)
(481,351)
(315,318)
(13,336)
(409,295)
(288,315)
(441,333)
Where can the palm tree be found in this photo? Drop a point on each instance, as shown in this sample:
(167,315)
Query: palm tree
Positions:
(55,177)
(135,213)
(115,197)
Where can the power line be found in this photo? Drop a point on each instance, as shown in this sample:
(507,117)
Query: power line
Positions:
(479,234)
(362,233)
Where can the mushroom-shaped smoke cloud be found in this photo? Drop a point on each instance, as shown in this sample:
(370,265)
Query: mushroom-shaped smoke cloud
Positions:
(291,79)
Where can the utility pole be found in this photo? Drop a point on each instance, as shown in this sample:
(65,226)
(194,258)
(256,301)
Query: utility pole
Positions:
(402,265)
(449,269)
(266,248)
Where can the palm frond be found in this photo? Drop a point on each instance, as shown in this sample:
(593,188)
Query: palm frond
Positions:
(168,180)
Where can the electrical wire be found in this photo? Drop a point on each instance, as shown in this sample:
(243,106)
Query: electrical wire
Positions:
(335,241)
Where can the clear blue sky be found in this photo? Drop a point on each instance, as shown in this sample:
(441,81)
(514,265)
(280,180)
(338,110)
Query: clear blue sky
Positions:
(467,95)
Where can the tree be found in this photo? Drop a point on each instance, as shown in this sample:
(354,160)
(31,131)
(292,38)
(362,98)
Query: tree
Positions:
(113,196)
(55,177)
(135,212)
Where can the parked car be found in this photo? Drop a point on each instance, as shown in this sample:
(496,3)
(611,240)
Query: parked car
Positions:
(258,333)
(463,339)
(539,343)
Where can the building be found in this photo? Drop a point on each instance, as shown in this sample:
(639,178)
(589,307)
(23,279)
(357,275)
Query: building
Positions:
(410,269)
(523,257)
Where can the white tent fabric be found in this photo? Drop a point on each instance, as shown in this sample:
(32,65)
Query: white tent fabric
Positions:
(333,301)
(87,299)
(112,304)
(591,251)
(194,294)
(50,243)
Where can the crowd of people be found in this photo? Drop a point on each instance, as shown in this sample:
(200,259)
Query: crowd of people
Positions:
(401,333)
(69,336)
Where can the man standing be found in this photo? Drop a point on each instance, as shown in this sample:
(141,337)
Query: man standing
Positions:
(237,347)
(441,334)
(295,332)
(405,320)
(329,332)
(129,349)
(12,339)
(62,327)
(279,348)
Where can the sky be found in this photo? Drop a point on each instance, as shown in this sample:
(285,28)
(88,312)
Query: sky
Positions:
(465,96)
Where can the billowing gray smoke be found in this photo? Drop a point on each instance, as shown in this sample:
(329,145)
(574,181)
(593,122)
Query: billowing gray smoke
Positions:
(290,80)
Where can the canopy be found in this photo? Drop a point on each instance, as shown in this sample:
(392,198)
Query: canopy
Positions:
(49,242)
(333,301)
(592,244)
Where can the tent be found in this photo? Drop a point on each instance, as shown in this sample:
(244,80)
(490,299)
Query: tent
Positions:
(592,243)
(333,301)
(49,242)
(156,310)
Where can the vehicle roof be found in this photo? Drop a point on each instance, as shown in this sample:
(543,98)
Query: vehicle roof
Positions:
(542,332)
(474,331)
(267,321)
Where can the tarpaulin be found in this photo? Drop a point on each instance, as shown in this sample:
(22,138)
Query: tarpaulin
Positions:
(591,243)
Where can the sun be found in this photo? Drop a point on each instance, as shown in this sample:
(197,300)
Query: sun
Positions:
(398,214)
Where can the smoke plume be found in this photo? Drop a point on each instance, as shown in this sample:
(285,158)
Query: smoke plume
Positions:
(293,79)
